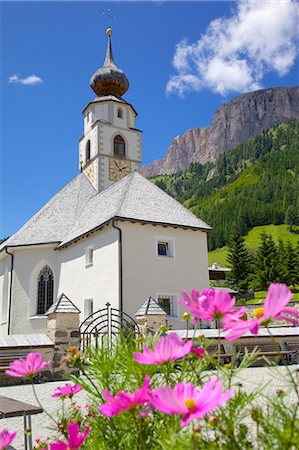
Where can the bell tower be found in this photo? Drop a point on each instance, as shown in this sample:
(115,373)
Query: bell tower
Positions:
(111,146)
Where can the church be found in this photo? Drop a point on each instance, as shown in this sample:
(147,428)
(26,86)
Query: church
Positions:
(109,235)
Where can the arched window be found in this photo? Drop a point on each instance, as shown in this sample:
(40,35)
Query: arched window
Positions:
(45,283)
(120,113)
(119,147)
(87,151)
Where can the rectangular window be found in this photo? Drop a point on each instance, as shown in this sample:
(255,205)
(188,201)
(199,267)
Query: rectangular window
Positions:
(168,303)
(88,307)
(165,247)
(89,257)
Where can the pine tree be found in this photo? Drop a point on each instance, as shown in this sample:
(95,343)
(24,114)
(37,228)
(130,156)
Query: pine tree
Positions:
(239,261)
(282,262)
(291,265)
(291,217)
(267,262)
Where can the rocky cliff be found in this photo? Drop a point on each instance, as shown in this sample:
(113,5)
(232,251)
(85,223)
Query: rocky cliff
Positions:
(233,123)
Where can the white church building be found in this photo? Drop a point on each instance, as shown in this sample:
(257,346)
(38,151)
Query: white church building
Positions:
(109,235)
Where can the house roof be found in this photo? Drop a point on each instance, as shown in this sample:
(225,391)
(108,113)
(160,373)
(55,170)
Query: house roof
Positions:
(77,209)
(63,305)
(150,307)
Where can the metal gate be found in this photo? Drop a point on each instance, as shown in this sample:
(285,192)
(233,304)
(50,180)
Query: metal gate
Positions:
(106,324)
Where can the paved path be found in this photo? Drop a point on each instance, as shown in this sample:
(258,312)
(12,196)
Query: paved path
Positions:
(272,378)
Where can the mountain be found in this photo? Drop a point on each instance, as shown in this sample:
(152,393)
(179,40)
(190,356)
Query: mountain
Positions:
(253,184)
(243,117)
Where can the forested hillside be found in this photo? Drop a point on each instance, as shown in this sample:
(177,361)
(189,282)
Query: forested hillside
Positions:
(257,183)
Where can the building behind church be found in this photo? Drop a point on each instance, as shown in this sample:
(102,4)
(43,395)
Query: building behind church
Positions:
(109,235)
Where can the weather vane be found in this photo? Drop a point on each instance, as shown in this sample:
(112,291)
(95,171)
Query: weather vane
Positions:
(108,14)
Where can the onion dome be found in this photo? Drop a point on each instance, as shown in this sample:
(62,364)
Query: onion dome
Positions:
(109,79)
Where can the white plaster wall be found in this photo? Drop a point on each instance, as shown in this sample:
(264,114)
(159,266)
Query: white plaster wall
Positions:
(101,111)
(5,264)
(100,281)
(145,274)
(28,262)
(91,135)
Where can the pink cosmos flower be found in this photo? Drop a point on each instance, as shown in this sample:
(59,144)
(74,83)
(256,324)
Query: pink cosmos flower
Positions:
(124,401)
(28,367)
(211,304)
(168,348)
(68,390)
(186,400)
(198,351)
(277,298)
(75,439)
(6,438)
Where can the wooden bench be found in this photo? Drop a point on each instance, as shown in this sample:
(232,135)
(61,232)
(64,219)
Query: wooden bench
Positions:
(10,407)
(212,351)
(266,349)
(6,357)
(293,348)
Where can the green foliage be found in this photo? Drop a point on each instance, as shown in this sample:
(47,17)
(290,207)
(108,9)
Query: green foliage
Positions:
(267,262)
(239,261)
(251,185)
(229,427)
(252,239)
(291,216)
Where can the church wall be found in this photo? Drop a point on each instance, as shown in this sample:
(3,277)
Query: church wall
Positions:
(4,292)
(28,262)
(146,274)
(98,281)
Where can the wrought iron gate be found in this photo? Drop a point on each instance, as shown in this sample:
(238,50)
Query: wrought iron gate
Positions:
(105,324)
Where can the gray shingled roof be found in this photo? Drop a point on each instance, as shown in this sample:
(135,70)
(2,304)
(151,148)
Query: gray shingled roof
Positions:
(55,220)
(25,340)
(77,209)
(136,198)
(150,307)
(63,305)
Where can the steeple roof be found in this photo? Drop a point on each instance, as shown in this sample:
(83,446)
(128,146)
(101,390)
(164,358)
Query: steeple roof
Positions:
(109,79)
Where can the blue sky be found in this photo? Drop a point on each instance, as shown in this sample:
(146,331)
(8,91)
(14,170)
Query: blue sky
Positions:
(183,60)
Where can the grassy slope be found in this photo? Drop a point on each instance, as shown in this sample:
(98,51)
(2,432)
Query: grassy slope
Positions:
(252,239)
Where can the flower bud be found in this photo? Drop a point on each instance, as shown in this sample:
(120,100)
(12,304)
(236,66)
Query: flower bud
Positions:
(197,428)
(186,316)
(280,392)
(212,420)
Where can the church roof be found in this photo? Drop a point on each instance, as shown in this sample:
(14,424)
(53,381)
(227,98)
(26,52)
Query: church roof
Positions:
(150,307)
(78,209)
(133,198)
(52,222)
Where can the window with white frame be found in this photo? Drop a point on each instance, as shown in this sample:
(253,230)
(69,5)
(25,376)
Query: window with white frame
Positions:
(88,307)
(168,303)
(89,257)
(165,247)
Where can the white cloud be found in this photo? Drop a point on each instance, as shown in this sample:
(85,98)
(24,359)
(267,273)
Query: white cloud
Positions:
(235,53)
(31,80)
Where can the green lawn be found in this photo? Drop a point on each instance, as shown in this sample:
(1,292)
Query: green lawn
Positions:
(252,240)
(259,297)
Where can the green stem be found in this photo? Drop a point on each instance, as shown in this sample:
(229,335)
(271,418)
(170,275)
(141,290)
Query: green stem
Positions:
(219,347)
(41,406)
